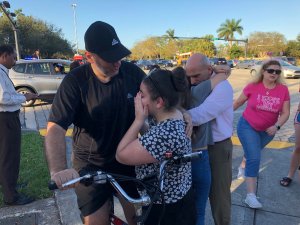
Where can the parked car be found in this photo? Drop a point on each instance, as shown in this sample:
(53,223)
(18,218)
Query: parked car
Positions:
(164,63)
(147,64)
(39,76)
(291,60)
(235,61)
(230,63)
(218,61)
(245,64)
(289,70)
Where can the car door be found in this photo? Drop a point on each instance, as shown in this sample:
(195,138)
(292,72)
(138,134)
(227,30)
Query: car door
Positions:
(40,77)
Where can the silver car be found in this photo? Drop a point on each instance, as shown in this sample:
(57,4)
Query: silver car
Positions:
(289,71)
(245,64)
(42,76)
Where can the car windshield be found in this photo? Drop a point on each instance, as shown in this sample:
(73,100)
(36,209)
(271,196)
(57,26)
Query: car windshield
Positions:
(284,63)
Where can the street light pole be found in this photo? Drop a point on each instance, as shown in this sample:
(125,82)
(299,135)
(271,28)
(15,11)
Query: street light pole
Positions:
(75,26)
(4,6)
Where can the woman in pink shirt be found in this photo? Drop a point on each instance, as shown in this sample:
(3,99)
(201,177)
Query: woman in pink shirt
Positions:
(268,108)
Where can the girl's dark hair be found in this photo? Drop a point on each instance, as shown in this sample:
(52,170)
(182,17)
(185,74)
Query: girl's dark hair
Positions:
(185,97)
(168,85)
(6,49)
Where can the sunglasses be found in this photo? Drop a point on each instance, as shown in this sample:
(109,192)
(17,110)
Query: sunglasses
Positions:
(272,71)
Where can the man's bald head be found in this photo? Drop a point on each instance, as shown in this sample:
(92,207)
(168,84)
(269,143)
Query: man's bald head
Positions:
(198,68)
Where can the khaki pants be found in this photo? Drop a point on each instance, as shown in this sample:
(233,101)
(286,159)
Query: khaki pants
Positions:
(220,157)
(10,149)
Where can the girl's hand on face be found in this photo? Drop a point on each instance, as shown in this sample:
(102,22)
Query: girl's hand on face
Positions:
(141,112)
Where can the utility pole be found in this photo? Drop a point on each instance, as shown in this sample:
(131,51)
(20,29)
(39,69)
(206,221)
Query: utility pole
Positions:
(5,6)
(75,26)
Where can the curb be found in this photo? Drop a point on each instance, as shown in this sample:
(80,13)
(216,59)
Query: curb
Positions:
(66,202)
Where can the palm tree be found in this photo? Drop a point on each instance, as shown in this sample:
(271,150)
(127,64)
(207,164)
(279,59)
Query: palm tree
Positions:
(170,34)
(228,29)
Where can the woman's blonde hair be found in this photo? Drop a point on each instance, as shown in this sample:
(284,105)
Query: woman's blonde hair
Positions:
(259,75)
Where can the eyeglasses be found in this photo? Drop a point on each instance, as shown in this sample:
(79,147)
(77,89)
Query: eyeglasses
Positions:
(272,71)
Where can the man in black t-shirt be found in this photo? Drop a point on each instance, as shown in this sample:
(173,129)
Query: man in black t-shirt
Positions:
(98,98)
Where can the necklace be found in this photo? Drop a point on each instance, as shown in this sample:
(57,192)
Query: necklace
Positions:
(269,89)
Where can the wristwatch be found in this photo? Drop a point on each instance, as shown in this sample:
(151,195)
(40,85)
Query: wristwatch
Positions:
(277,126)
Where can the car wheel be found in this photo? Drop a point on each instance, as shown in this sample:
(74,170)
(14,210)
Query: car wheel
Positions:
(24,90)
(253,73)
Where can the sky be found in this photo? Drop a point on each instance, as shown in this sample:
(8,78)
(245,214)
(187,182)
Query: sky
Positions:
(135,20)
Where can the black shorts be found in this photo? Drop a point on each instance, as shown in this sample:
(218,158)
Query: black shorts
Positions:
(179,213)
(91,198)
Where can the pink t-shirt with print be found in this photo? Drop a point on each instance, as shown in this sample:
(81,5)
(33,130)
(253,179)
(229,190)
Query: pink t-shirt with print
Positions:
(264,105)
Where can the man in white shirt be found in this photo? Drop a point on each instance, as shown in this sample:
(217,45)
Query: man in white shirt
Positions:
(217,108)
(10,130)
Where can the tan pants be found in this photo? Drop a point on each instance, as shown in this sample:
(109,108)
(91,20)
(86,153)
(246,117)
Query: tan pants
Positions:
(220,157)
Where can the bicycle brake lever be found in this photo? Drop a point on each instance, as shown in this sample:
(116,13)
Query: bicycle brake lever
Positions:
(76,180)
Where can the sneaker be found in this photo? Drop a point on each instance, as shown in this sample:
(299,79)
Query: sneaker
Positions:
(252,202)
(241,173)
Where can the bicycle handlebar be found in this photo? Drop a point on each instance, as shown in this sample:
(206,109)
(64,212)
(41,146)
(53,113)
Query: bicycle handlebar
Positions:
(177,159)
(100,177)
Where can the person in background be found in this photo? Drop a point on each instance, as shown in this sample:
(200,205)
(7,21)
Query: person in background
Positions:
(36,54)
(74,64)
(217,109)
(268,108)
(159,97)
(10,130)
(98,98)
(295,159)
(59,68)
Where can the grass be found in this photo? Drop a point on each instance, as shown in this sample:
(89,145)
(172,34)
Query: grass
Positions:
(33,168)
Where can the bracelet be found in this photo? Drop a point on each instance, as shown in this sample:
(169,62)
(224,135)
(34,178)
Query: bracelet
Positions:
(277,127)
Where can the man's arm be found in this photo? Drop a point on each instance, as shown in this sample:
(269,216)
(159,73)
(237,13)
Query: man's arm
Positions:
(55,150)
(217,102)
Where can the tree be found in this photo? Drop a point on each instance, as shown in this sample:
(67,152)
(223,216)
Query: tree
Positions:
(228,29)
(293,48)
(35,34)
(170,34)
(262,43)
(235,51)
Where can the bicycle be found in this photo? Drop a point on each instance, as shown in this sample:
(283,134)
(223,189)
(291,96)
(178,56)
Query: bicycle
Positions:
(146,199)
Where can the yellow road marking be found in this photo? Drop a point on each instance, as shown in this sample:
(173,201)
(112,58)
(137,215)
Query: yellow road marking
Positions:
(44,131)
(235,140)
(272,144)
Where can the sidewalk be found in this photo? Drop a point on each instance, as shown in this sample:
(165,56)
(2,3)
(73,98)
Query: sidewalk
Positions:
(280,205)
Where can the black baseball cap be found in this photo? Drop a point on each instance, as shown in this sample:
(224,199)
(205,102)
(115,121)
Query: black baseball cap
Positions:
(102,39)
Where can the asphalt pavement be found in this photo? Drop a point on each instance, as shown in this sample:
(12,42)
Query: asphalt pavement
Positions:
(280,204)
